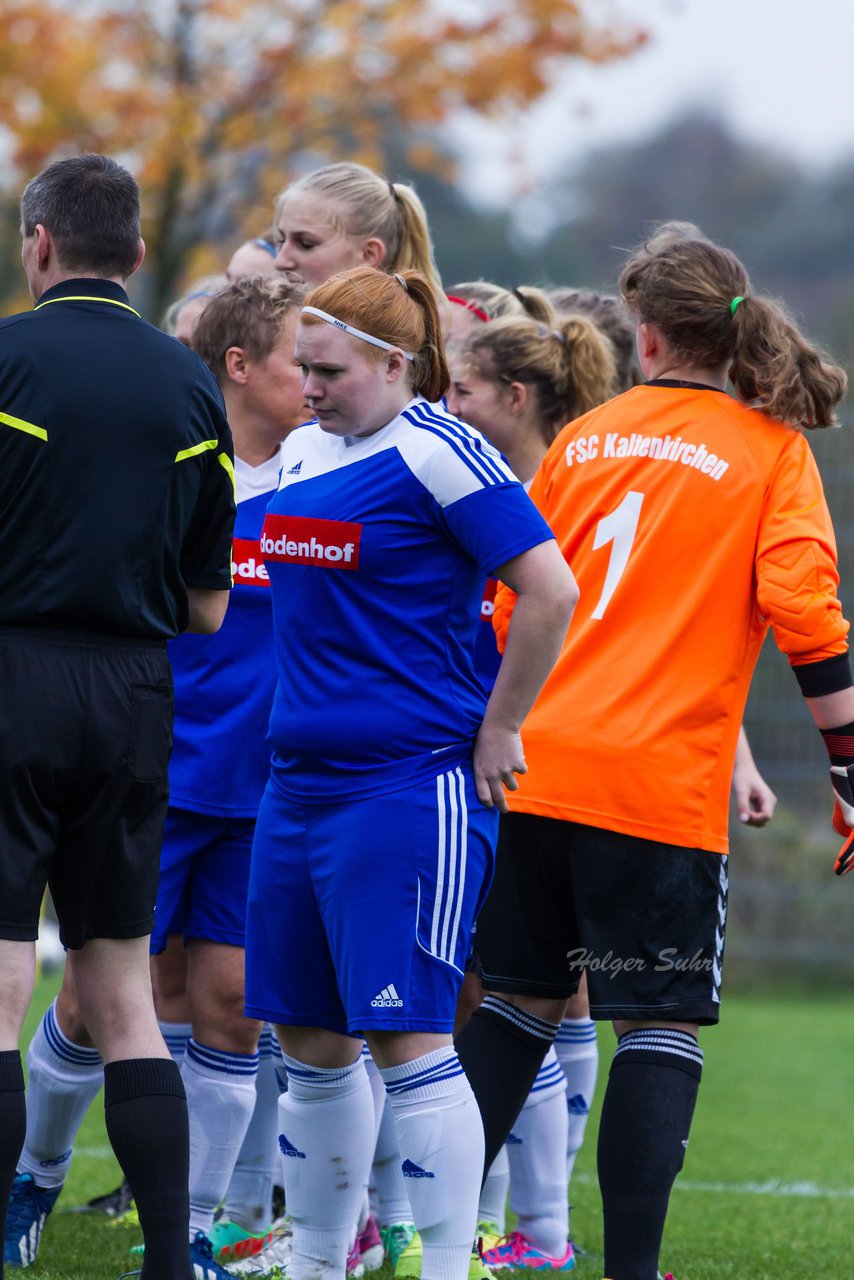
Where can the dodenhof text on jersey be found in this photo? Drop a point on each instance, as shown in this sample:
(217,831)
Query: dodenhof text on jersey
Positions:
(307,540)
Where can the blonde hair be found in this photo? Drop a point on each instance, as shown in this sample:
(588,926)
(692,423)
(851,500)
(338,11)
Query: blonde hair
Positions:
(570,366)
(204,287)
(369,205)
(401,309)
(495,301)
(699,295)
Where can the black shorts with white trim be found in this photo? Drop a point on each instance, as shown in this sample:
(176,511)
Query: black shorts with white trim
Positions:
(645,921)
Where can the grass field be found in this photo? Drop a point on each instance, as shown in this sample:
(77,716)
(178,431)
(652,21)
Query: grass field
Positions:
(768,1185)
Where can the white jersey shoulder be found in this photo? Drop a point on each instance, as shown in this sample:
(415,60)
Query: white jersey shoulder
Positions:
(450,459)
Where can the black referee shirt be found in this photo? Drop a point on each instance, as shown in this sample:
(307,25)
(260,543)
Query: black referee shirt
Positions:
(116,476)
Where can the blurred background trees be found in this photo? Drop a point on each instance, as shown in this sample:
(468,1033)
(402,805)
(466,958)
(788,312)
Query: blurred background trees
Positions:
(212,103)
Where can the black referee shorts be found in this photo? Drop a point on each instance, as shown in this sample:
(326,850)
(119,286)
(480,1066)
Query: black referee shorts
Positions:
(85,740)
(645,921)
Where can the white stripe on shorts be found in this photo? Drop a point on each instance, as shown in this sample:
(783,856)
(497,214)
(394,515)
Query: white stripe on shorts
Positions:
(451,859)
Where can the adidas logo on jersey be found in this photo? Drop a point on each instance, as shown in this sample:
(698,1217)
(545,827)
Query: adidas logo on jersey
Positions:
(307,540)
(412,1170)
(387,999)
(288,1148)
(294,470)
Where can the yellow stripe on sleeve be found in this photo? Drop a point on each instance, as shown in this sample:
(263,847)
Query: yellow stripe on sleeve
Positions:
(196,449)
(228,465)
(20,425)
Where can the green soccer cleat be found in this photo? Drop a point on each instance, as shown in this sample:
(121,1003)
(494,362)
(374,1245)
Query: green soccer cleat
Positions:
(231,1243)
(396,1240)
(487,1236)
(409,1263)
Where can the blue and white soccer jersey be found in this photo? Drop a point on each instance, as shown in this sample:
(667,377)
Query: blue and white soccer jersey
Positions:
(220,762)
(378,548)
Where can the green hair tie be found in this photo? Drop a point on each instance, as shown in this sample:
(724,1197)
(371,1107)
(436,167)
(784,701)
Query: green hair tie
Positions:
(733,306)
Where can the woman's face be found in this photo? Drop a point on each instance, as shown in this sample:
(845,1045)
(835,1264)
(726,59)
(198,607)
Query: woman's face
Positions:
(353,388)
(311,244)
(481,402)
(275,387)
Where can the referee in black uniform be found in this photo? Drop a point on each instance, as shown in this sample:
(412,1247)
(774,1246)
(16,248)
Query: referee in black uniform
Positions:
(116,513)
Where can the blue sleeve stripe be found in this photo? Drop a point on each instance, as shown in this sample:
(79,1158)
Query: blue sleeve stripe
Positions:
(487,456)
(467,446)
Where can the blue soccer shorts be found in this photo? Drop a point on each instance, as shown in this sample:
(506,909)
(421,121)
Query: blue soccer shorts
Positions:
(360,914)
(204,877)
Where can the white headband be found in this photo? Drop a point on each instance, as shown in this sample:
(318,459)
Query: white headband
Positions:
(355,333)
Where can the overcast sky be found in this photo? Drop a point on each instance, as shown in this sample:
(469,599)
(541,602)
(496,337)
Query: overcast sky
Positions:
(780,73)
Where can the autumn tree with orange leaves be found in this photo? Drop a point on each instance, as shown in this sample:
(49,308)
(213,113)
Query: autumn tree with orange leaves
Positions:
(209,101)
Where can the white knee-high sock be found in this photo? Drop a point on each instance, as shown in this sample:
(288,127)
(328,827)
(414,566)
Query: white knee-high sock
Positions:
(326,1131)
(220,1099)
(538,1161)
(440,1136)
(63,1081)
(250,1191)
(176,1035)
(493,1195)
(387,1175)
(378,1094)
(578,1053)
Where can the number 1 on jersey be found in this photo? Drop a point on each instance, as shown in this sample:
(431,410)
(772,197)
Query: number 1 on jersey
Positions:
(619,528)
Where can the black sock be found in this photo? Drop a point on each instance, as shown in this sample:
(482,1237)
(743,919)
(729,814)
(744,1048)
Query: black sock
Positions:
(13,1126)
(502,1049)
(145,1108)
(643,1134)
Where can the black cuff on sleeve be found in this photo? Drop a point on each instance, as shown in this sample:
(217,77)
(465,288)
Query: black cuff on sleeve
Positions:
(828,676)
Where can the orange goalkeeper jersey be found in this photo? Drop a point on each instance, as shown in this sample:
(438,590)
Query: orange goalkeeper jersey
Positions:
(691,522)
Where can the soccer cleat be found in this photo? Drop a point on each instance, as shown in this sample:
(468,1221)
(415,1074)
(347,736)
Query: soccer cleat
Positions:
(354,1268)
(115,1204)
(396,1239)
(272,1260)
(408,1265)
(478,1270)
(231,1243)
(371,1251)
(28,1210)
(202,1260)
(488,1236)
(516,1250)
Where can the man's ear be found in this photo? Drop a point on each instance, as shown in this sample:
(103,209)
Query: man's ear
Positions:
(237,366)
(45,247)
(139,257)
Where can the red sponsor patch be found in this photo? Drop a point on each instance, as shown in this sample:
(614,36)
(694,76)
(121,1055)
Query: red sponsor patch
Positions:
(334,544)
(247,563)
(487,606)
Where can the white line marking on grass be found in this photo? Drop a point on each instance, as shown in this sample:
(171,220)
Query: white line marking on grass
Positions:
(95,1153)
(773,1187)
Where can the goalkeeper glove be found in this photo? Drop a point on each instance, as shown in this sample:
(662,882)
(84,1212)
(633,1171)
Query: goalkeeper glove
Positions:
(843,814)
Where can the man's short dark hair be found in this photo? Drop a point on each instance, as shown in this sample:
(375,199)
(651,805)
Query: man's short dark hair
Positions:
(90,205)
